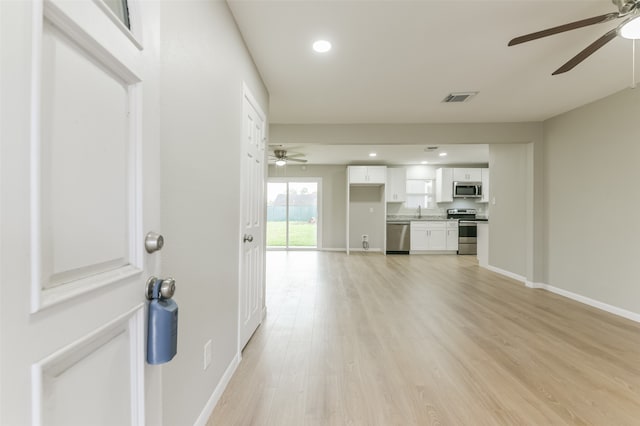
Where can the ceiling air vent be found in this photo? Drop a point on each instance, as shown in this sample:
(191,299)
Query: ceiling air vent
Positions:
(459,97)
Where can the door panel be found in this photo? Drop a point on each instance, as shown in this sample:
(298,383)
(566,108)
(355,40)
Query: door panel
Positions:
(85,161)
(87,365)
(253,183)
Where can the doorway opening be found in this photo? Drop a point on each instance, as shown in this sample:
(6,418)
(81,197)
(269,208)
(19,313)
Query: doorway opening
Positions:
(293,207)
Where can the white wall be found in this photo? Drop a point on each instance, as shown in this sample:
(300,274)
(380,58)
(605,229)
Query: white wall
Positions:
(366,216)
(334,196)
(591,165)
(507,221)
(204,62)
(420,134)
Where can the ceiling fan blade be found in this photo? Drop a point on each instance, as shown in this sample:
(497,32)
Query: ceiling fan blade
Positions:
(297,160)
(588,51)
(295,155)
(566,27)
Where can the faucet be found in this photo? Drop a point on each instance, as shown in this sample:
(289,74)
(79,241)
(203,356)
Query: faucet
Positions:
(419,211)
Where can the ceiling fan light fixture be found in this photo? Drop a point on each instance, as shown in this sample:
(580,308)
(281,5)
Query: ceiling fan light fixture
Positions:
(281,162)
(631,29)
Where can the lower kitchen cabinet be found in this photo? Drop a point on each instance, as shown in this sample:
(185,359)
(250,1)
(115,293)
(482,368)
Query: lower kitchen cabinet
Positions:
(429,236)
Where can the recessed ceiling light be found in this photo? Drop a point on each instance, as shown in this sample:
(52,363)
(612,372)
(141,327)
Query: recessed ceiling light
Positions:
(321,46)
(424,162)
(443,154)
(372,154)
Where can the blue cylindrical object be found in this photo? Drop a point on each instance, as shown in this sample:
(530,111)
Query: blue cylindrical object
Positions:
(162,338)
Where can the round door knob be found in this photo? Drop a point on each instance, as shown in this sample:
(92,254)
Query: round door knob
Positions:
(153,242)
(168,288)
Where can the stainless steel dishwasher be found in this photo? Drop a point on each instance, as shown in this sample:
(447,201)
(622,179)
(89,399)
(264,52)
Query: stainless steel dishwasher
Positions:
(398,237)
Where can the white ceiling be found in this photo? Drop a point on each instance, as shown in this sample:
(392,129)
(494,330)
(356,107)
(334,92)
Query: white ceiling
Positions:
(388,154)
(393,61)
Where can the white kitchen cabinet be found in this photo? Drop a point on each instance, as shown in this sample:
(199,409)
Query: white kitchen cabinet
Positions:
(418,236)
(396,185)
(367,175)
(452,235)
(467,175)
(428,236)
(437,236)
(485,186)
(444,185)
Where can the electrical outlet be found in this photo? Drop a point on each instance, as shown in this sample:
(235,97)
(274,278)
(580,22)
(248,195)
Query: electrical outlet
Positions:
(208,356)
(365,237)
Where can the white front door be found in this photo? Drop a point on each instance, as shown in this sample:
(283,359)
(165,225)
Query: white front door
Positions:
(253,187)
(77,198)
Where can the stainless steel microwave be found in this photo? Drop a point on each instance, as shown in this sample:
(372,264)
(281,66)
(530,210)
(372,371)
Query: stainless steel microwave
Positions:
(467,189)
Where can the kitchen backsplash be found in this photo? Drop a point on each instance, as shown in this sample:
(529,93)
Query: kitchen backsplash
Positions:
(398,209)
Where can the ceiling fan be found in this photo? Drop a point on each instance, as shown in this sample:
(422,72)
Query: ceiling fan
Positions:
(629,28)
(281,158)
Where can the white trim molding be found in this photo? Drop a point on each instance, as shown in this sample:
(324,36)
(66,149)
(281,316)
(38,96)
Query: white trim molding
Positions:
(371,250)
(633,316)
(588,301)
(217,392)
(507,274)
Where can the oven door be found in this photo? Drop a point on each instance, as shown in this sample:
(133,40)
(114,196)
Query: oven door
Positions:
(467,237)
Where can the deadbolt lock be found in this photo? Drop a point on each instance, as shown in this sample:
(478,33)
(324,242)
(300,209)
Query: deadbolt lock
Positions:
(153,242)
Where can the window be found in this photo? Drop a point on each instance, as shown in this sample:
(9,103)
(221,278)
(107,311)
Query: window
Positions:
(121,10)
(292,214)
(420,192)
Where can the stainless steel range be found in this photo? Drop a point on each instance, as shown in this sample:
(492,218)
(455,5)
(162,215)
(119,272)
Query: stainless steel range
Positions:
(467,229)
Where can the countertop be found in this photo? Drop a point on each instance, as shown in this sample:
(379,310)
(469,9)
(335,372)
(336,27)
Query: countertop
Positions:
(398,219)
(393,219)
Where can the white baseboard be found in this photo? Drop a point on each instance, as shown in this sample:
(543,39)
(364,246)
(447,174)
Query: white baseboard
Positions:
(306,249)
(433,252)
(531,284)
(507,273)
(588,301)
(373,250)
(217,392)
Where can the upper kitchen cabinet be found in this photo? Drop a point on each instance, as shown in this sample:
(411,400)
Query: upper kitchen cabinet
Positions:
(367,175)
(444,185)
(467,175)
(396,185)
(485,186)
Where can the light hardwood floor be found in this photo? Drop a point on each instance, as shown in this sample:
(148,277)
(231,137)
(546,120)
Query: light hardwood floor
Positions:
(427,340)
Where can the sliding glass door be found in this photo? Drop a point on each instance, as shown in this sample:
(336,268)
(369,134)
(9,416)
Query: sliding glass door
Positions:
(292,213)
